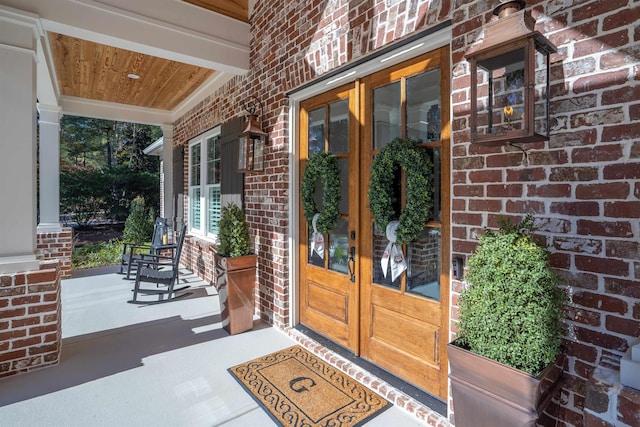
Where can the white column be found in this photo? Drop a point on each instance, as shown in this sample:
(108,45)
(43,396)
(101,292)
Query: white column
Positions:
(49,169)
(167,160)
(18,55)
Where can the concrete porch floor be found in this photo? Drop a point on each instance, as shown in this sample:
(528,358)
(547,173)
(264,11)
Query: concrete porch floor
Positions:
(157,365)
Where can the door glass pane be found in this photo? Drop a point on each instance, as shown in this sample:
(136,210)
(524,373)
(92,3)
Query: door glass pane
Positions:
(339,127)
(386,114)
(436,160)
(316,130)
(339,247)
(312,257)
(343,208)
(423,106)
(423,262)
(379,244)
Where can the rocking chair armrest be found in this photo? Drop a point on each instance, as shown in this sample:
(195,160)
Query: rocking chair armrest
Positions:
(147,263)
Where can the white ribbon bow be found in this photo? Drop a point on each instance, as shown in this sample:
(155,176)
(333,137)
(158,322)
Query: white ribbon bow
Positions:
(317,238)
(393,251)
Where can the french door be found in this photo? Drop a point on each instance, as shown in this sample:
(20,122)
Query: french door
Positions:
(400,325)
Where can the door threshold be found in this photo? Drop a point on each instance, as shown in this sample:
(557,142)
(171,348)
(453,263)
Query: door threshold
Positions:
(430,403)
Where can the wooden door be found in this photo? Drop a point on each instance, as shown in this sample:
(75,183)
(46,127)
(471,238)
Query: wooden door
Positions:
(404,323)
(401,326)
(329,285)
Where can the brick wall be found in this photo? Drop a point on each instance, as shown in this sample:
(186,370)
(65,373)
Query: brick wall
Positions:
(583,186)
(57,246)
(30,321)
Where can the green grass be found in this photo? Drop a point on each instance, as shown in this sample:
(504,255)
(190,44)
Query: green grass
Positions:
(97,254)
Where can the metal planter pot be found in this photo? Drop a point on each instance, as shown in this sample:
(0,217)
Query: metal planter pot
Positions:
(488,393)
(235,281)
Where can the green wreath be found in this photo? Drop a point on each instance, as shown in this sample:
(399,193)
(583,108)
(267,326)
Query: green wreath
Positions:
(322,165)
(418,168)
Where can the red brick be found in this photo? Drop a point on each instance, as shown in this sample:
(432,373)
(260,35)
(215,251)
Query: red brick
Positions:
(17,354)
(555,157)
(573,174)
(468,163)
(47,348)
(607,229)
(601,339)
(594,46)
(525,206)
(609,190)
(577,244)
(10,292)
(600,81)
(32,299)
(588,10)
(12,334)
(28,342)
(580,280)
(581,351)
(504,190)
(485,176)
(622,209)
(626,288)
(576,138)
(575,208)
(627,327)
(19,323)
(526,174)
(591,420)
(43,308)
(468,190)
(606,153)
(623,249)
(504,160)
(549,190)
(43,329)
(5,314)
(629,406)
(621,19)
(583,316)
(42,276)
(628,131)
(483,205)
(622,171)
(624,95)
(612,267)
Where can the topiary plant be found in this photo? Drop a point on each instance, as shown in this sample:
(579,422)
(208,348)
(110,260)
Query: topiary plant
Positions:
(138,227)
(234,232)
(512,310)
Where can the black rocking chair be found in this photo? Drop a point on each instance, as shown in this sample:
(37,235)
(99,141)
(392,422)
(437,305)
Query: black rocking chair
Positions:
(130,251)
(161,270)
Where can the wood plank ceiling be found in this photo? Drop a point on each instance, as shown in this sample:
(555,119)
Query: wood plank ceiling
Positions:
(99,72)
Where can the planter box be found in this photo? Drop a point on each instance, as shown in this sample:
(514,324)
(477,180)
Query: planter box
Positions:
(488,393)
(235,281)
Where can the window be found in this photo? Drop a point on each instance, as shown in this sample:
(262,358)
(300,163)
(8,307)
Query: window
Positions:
(205,177)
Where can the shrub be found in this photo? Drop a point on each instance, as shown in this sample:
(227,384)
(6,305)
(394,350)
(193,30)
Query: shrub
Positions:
(512,310)
(97,254)
(234,232)
(138,227)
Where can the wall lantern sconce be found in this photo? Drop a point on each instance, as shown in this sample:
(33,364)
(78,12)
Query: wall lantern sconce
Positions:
(252,139)
(510,79)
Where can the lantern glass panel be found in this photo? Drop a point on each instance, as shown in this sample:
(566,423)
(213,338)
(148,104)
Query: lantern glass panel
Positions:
(501,94)
(242,153)
(258,154)
(541,93)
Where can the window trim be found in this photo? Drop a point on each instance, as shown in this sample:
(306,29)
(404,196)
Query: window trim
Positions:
(202,139)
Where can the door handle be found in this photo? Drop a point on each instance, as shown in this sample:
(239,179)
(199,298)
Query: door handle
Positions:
(352,263)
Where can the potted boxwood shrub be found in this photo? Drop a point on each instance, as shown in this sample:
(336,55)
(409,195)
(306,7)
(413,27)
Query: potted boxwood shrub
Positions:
(235,270)
(506,361)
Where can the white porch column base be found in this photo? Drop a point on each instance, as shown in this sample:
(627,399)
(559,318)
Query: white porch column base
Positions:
(53,227)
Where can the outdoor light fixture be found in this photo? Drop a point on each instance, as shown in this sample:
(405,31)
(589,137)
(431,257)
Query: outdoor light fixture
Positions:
(510,79)
(252,140)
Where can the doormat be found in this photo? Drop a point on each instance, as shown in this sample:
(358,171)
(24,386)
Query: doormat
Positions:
(298,389)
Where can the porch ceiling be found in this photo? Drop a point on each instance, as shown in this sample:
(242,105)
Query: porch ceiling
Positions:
(181,50)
